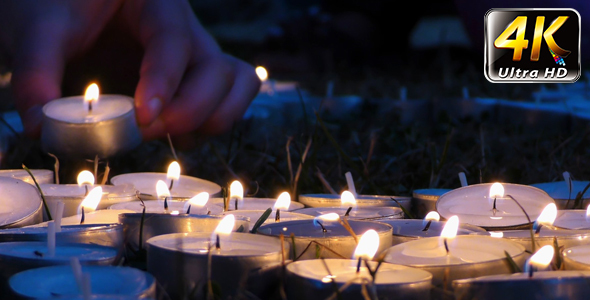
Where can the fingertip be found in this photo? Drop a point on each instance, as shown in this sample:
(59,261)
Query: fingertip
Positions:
(148,111)
(155,130)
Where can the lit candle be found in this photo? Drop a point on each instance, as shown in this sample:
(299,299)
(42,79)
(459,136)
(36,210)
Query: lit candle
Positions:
(91,125)
(279,212)
(348,207)
(311,279)
(251,203)
(334,200)
(56,281)
(491,205)
(180,261)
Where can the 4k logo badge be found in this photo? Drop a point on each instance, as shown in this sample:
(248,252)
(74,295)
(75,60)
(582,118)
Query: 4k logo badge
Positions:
(532,45)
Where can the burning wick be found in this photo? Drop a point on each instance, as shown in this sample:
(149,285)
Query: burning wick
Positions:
(278,215)
(538,228)
(428,226)
(348,211)
(321,225)
(494,207)
(358,266)
(446,246)
(188,210)
(83,216)
(236,204)
(171,184)
(166,203)
(217,243)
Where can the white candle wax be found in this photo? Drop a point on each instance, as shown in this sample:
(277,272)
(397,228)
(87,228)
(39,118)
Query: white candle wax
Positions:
(577,258)
(572,219)
(42,176)
(48,282)
(72,195)
(73,110)
(251,203)
(330,200)
(357,212)
(20,203)
(185,187)
(254,215)
(157,206)
(473,205)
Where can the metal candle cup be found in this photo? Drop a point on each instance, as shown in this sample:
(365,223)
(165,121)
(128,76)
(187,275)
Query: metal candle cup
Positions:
(469,256)
(67,132)
(406,230)
(543,285)
(186,187)
(560,192)
(424,201)
(41,176)
(309,279)
(576,219)
(331,200)
(20,204)
(47,282)
(337,238)
(254,215)
(546,236)
(155,224)
(251,203)
(474,205)
(577,258)
(110,235)
(157,206)
(179,261)
(357,213)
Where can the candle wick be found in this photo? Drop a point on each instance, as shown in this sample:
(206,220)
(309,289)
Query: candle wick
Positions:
(166,203)
(90,106)
(427,225)
(358,266)
(446,246)
(278,215)
(236,204)
(188,211)
(348,211)
(217,243)
(494,207)
(208,212)
(83,216)
(538,229)
(86,187)
(321,225)
(530,270)
(171,184)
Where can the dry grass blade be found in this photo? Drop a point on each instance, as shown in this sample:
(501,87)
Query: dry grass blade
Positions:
(300,168)
(315,243)
(534,244)
(55,167)
(105,177)
(289,163)
(40,192)
(344,223)
(172,147)
(324,182)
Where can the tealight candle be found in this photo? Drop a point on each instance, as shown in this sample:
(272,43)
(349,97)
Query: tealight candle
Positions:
(564,194)
(20,203)
(92,125)
(491,205)
(577,258)
(314,279)
(180,261)
(424,201)
(333,200)
(60,281)
(237,199)
(543,285)
(185,187)
(326,230)
(254,215)
(173,207)
(409,229)
(461,256)
(573,219)
(42,176)
(349,207)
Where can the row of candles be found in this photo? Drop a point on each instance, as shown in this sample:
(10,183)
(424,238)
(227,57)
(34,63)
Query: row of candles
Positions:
(324,246)
(184,232)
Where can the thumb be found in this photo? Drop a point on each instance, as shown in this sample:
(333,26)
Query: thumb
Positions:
(37,73)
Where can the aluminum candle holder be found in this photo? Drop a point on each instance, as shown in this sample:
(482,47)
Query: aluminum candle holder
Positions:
(49,282)
(186,187)
(331,200)
(336,237)
(20,256)
(357,213)
(77,136)
(571,285)
(179,261)
(20,204)
(160,224)
(110,235)
(42,176)
(565,238)
(560,192)
(252,203)
(577,258)
(424,201)
(474,205)
(406,230)
(308,279)
(72,195)
(572,219)
(469,256)
(254,215)
(157,206)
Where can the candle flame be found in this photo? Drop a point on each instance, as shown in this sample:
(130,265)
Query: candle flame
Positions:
(450,229)
(91,201)
(226,225)
(162,190)
(331,217)
(91,94)
(283,201)
(367,246)
(588,213)
(262,73)
(347,199)
(85,177)
(200,200)
(548,215)
(173,171)
(432,216)
(497,234)
(496,191)
(542,257)
(236,190)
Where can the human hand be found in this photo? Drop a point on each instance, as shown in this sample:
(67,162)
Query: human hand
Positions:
(185,81)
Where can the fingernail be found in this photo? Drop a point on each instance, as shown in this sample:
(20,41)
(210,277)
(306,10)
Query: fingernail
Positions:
(154,107)
(32,120)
